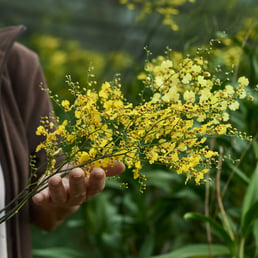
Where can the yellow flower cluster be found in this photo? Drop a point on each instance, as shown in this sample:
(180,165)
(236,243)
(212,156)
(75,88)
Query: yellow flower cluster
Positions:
(167,8)
(187,104)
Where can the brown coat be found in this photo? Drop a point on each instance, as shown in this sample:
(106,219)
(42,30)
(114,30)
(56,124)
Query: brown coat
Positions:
(22,104)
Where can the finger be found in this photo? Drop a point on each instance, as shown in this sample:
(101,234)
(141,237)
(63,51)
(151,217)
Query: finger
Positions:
(41,197)
(96,182)
(57,192)
(116,169)
(77,192)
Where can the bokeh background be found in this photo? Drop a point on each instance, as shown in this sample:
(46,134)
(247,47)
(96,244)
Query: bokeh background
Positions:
(72,36)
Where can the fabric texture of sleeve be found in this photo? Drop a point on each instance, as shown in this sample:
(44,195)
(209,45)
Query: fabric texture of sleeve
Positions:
(27,76)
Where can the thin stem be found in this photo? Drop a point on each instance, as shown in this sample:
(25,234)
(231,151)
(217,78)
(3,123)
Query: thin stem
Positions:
(242,47)
(207,213)
(238,164)
(24,196)
(242,248)
(206,206)
(220,203)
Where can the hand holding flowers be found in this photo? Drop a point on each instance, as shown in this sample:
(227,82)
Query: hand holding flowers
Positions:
(64,196)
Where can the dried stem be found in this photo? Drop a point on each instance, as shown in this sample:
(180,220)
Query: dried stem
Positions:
(220,203)
(242,46)
(207,204)
(238,164)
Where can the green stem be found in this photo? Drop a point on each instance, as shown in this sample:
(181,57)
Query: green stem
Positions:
(25,195)
(242,248)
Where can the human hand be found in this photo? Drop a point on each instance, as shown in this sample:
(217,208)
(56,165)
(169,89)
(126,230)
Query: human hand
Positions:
(64,196)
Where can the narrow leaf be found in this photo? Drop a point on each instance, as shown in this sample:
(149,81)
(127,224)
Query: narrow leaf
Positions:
(57,253)
(214,224)
(249,218)
(239,172)
(147,247)
(255,147)
(162,179)
(197,251)
(255,64)
(251,197)
(255,231)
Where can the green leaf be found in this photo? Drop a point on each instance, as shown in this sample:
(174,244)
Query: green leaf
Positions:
(147,247)
(200,250)
(234,226)
(249,218)
(255,147)
(249,210)
(255,63)
(57,252)
(162,179)
(255,230)
(187,194)
(239,172)
(221,232)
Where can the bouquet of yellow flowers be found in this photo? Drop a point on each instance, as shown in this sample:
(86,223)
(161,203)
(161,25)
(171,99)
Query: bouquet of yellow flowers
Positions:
(182,104)
(186,105)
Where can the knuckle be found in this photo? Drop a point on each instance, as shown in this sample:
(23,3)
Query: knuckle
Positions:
(78,198)
(59,201)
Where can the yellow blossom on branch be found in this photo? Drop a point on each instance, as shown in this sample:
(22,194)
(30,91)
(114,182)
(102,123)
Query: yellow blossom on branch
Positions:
(185,105)
(167,8)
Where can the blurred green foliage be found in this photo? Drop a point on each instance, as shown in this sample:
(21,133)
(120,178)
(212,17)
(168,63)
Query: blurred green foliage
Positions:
(66,57)
(125,223)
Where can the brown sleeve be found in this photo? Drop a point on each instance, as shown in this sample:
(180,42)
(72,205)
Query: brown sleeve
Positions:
(27,75)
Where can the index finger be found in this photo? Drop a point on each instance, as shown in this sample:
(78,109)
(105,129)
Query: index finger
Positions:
(115,169)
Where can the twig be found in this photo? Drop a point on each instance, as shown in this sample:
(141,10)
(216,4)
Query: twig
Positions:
(206,205)
(237,165)
(242,47)
(220,203)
